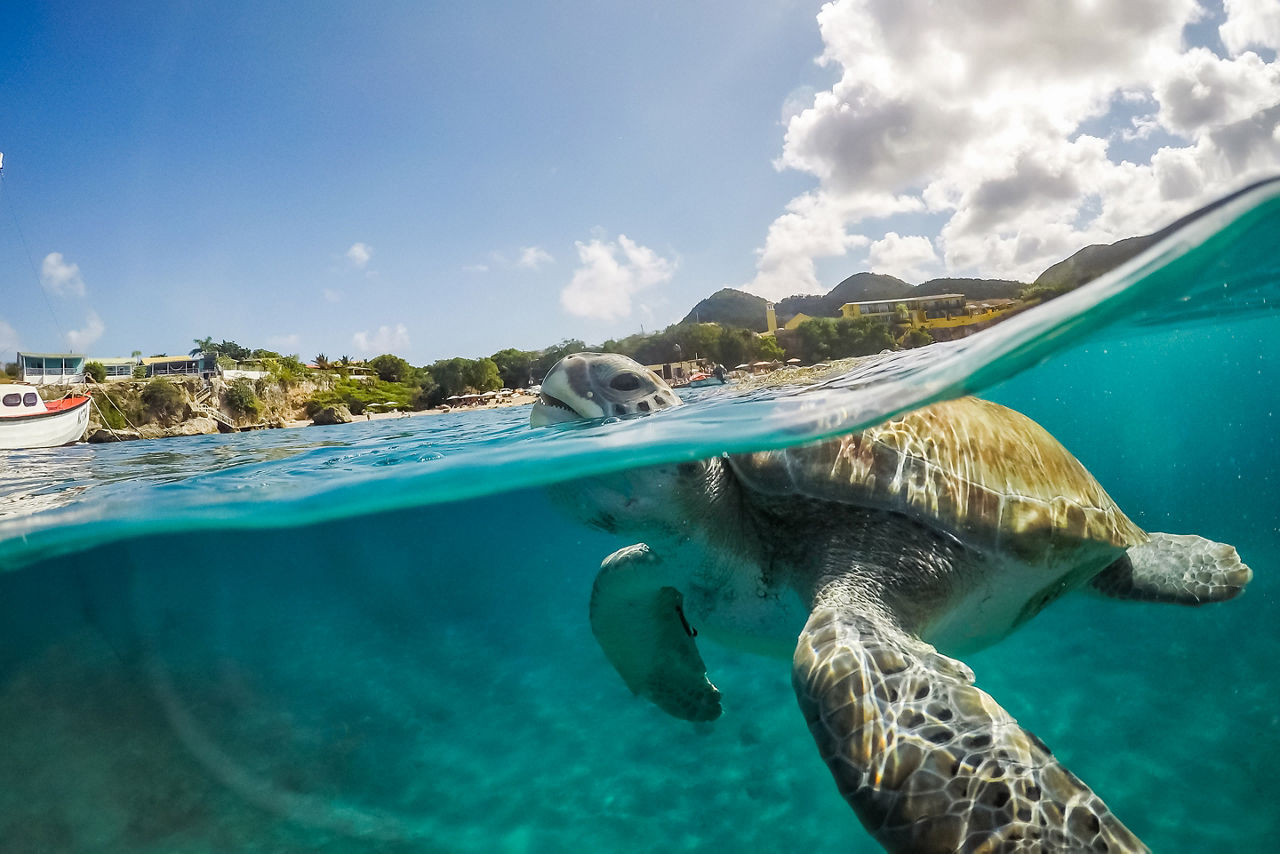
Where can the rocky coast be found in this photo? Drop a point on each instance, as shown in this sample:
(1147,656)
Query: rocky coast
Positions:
(192,406)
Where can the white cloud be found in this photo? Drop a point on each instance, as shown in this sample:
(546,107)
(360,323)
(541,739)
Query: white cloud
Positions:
(386,340)
(977,111)
(80,340)
(61,277)
(284,344)
(476,268)
(813,227)
(1200,90)
(359,254)
(911,259)
(609,274)
(533,257)
(1251,23)
(332,295)
(8,338)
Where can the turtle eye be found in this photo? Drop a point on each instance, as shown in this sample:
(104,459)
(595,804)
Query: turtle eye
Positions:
(625,382)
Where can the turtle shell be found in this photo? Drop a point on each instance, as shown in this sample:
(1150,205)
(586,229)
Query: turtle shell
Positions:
(987,474)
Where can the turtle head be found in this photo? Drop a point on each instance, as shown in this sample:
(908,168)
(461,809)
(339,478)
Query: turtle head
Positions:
(584,386)
(652,499)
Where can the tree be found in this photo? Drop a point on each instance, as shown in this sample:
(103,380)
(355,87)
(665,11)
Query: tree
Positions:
(917,338)
(514,366)
(828,338)
(202,345)
(448,374)
(242,398)
(232,350)
(737,346)
(322,361)
(482,375)
(547,359)
(817,339)
(769,349)
(861,336)
(391,369)
(96,370)
(11,369)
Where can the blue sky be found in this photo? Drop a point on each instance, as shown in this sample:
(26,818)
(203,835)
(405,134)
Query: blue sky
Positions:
(450,179)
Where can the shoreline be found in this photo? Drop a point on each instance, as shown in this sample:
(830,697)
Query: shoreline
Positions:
(513,401)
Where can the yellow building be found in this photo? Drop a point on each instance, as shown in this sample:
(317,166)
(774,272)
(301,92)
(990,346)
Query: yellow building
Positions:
(946,316)
(918,309)
(794,323)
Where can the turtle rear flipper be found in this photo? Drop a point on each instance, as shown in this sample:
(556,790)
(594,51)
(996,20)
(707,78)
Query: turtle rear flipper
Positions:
(1182,569)
(929,762)
(640,624)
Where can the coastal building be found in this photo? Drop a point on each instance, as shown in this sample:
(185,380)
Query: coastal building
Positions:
(794,323)
(945,316)
(200,365)
(117,368)
(246,369)
(917,309)
(51,368)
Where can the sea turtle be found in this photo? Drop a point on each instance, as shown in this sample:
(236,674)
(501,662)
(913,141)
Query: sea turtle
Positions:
(945,528)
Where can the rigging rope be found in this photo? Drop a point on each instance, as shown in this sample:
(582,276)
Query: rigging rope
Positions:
(23,239)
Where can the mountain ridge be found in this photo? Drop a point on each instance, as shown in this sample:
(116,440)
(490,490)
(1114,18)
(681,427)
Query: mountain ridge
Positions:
(732,307)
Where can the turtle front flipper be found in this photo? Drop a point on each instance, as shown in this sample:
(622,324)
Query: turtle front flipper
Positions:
(1182,569)
(929,762)
(640,624)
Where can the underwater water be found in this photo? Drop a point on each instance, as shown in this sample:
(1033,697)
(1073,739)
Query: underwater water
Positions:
(374,637)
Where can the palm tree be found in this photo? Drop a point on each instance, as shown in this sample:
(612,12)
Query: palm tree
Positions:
(322,362)
(202,344)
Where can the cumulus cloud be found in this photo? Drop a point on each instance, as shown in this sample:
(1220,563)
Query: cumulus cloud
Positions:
(387,339)
(80,340)
(609,274)
(60,276)
(911,259)
(360,254)
(993,116)
(533,257)
(8,338)
(284,343)
(1251,23)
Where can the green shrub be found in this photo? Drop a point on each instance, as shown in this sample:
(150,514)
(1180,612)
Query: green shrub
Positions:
(140,372)
(162,398)
(109,409)
(96,371)
(357,395)
(917,338)
(242,399)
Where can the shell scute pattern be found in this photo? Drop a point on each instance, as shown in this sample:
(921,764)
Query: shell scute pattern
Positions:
(962,465)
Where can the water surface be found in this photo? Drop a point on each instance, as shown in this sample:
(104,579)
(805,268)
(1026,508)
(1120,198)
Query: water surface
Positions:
(373,637)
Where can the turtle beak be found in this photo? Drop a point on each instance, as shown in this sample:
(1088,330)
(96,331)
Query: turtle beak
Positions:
(548,410)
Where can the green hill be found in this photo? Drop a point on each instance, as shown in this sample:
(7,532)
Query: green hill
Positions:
(1091,262)
(730,307)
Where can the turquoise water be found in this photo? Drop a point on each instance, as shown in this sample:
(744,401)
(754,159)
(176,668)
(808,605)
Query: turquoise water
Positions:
(373,637)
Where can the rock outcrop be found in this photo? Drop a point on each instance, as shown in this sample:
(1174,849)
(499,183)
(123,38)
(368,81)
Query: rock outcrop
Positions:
(332,415)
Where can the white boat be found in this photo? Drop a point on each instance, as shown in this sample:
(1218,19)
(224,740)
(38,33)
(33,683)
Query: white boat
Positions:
(26,421)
